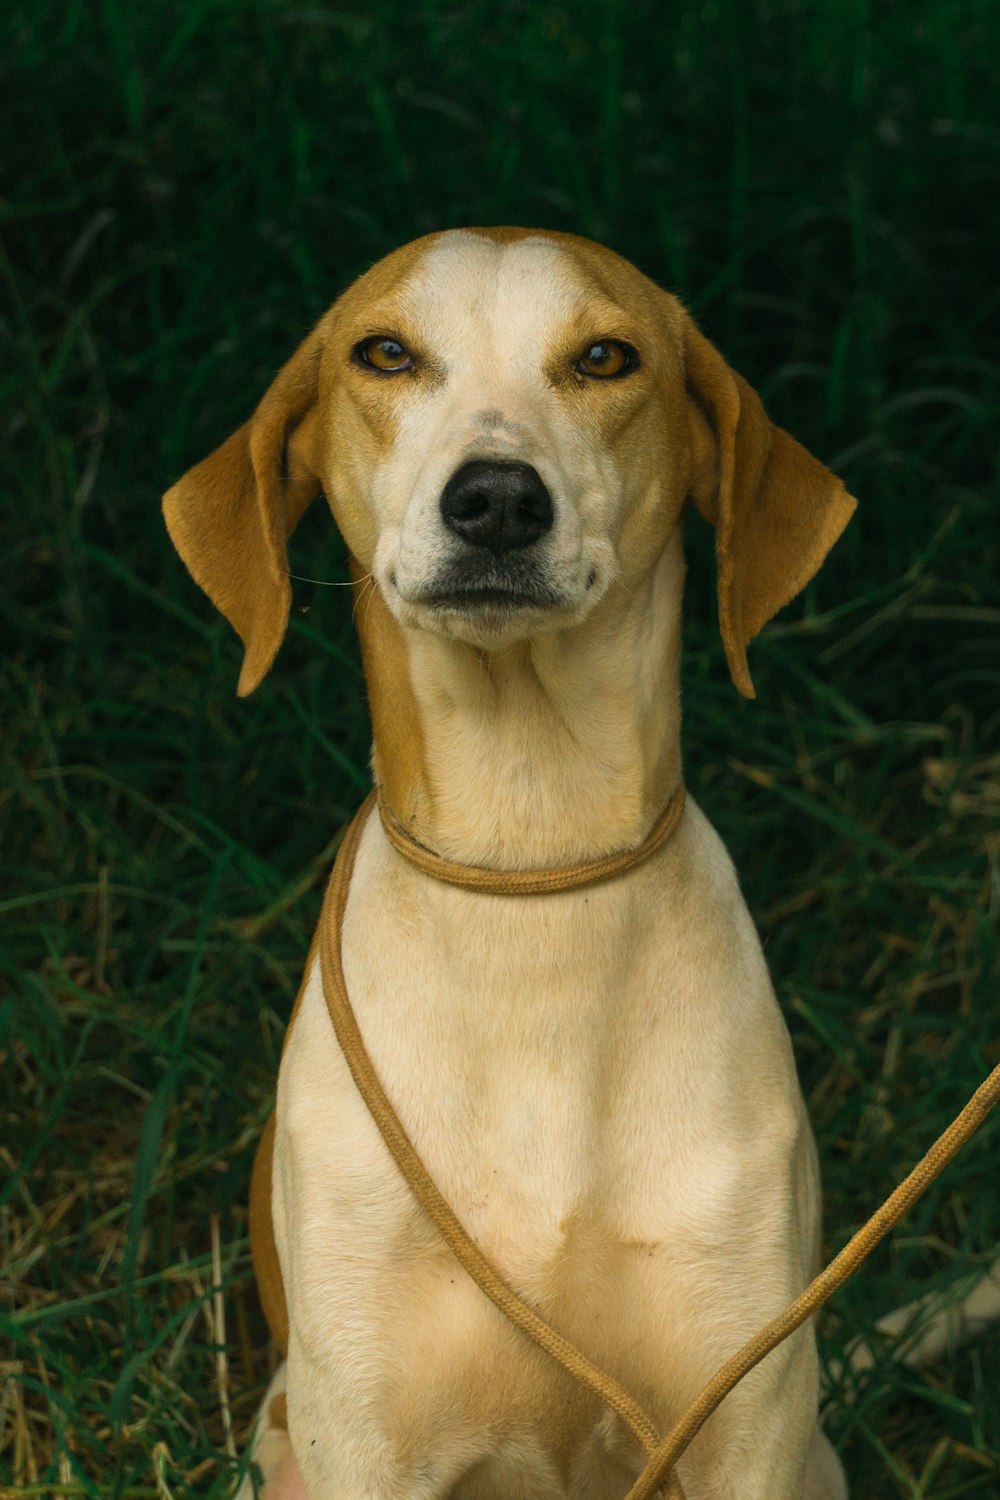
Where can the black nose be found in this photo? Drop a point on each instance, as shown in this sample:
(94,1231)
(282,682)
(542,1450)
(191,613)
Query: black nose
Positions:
(499,506)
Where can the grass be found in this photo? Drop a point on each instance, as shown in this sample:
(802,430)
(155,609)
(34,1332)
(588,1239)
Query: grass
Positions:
(187,187)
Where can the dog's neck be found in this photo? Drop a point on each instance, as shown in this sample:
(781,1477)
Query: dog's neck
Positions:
(552,751)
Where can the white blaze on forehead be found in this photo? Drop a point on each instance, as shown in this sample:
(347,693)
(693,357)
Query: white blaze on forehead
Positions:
(487,318)
(483,302)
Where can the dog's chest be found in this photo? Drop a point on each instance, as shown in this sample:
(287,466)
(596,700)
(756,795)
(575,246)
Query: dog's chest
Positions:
(574,1070)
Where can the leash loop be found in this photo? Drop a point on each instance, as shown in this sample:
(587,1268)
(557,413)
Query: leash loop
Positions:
(530,882)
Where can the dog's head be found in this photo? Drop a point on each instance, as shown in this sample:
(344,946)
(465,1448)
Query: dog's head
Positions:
(507,424)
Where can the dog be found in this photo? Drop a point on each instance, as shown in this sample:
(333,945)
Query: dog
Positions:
(509,426)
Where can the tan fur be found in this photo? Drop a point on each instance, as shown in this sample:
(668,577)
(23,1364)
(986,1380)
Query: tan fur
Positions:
(600,1080)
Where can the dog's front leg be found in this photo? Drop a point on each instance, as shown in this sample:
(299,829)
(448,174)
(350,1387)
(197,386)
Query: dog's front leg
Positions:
(343,1449)
(763,1442)
(390,1439)
(343,1438)
(386,1335)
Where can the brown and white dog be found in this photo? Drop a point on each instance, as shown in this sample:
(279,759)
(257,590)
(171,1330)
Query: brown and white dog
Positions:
(508,424)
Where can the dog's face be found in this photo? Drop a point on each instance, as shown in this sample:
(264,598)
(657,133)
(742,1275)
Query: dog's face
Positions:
(507,424)
(506,432)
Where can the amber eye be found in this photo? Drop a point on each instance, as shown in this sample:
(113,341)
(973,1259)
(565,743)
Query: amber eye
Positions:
(385,354)
(607,358)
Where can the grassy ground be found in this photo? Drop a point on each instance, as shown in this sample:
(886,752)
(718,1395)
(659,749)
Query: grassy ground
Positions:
(187,186)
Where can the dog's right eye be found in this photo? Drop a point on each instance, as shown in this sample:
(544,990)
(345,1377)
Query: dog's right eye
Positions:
(386,355)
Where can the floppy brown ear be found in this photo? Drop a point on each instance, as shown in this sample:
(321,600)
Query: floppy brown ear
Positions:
(230,516)
(777,511)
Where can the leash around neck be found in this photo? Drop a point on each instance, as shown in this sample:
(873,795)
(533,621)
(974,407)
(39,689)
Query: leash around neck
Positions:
(663,1454)
(530,882)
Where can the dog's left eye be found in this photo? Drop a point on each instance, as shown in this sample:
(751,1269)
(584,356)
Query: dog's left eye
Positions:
(384,354)
(607,358)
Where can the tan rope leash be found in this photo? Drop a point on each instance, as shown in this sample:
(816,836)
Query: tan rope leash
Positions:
(660,1471)
(530,882)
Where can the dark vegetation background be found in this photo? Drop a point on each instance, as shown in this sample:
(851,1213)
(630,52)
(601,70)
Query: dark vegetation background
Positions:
(186,187)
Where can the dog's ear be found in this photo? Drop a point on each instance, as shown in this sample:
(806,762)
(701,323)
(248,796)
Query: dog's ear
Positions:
(777,511)
(231,515)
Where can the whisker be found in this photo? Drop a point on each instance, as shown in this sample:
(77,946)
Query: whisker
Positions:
(371,596)
(369,584)
(327,583)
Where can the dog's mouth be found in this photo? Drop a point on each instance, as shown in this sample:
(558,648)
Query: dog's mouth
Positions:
(490,600)
(492,591)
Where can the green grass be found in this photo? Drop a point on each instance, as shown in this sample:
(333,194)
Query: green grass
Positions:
(186,187)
